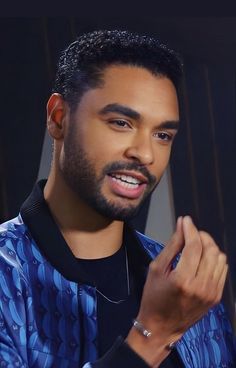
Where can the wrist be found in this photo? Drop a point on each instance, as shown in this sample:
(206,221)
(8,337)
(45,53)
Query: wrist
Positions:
(153,347)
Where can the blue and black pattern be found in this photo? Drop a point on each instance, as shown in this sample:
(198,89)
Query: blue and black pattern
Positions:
(47,321)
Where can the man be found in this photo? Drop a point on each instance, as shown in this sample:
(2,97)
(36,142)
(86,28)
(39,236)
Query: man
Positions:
(78,286)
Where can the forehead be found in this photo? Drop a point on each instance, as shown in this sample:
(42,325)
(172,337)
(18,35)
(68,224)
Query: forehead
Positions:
(135,87)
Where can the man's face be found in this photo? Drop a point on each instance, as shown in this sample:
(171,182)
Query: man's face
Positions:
(118,141)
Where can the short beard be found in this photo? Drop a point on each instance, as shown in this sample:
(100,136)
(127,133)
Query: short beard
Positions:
(79,174)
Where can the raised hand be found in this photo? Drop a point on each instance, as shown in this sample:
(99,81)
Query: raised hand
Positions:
(175,298)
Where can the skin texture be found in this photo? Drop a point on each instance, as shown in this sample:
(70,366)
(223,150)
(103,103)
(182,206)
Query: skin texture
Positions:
(94,142)
(103,139)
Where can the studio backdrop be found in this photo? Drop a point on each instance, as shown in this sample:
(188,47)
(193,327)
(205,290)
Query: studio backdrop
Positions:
(200,180)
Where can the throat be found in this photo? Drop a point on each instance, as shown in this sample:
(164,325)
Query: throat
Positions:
(97,244)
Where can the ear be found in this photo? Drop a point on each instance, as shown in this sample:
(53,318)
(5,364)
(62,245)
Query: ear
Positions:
(56,113)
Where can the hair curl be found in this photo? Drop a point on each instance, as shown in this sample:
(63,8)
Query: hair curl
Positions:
(82,63)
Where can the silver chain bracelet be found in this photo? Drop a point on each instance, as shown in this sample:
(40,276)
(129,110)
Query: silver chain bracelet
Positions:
(138,325)
(146,333)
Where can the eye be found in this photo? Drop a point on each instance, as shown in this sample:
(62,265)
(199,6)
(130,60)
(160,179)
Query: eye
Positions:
(120,123)
(164,136)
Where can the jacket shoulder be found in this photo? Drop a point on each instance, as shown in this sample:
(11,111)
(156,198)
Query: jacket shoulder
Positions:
(12,229)
(152,247)
(14,238)
(12,233)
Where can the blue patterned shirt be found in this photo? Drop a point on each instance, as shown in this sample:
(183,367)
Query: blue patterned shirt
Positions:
(48,319)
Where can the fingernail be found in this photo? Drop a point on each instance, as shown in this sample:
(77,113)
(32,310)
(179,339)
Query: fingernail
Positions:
(179,219)
(178,222)
(188,219)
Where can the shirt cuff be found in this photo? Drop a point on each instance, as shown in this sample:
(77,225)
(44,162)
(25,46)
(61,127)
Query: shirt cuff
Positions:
(120,355)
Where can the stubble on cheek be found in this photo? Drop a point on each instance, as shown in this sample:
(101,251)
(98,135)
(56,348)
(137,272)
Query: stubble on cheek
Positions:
(88,180)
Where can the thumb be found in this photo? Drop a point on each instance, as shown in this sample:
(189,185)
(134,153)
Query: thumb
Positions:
(173,247)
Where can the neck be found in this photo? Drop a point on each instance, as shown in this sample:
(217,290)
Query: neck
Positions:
(88,234)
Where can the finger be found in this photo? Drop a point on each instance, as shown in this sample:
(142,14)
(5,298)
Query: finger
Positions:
(212,261)
(222,262)
(174,246)
(209,263)
(221,283)
(192,251)
(212,269)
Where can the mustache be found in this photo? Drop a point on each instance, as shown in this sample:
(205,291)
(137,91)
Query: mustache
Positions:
(116,166)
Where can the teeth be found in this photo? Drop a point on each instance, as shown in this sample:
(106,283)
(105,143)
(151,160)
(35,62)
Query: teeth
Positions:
(124,183)
(127,178)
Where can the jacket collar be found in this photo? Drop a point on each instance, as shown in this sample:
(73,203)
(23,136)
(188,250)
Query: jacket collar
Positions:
(37,216)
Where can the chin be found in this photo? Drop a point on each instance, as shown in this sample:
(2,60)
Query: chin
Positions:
(119,213)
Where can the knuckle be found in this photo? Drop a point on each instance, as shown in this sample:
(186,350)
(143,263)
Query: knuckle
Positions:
(222,258)
(210,295)
(208,241)
(206,237)
(195,239)
(212,248)
(205,297)
(154,267)
(182,286)
(202,293)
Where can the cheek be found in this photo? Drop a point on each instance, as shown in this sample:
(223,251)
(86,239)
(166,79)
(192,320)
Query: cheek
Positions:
(102,153)
(161,161)
(104,147)
(96,139)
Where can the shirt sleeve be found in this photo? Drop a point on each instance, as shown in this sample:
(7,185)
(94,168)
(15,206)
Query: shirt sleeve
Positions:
(12,330)
(13,304)
(119,355)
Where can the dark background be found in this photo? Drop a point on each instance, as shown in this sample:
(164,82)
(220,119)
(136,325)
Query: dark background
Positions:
(203,164)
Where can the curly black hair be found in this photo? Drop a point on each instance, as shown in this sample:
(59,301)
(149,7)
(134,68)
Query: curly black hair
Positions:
(82,63)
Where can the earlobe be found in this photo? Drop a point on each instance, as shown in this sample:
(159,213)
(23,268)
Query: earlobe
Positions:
(56,112)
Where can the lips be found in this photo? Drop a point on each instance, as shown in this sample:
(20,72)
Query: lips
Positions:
(127,184)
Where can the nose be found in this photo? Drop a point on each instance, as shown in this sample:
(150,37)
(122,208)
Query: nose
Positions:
(141,149)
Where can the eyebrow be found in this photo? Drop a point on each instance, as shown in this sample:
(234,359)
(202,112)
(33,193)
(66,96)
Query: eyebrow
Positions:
(132,114)
(170,124)
(120,109)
